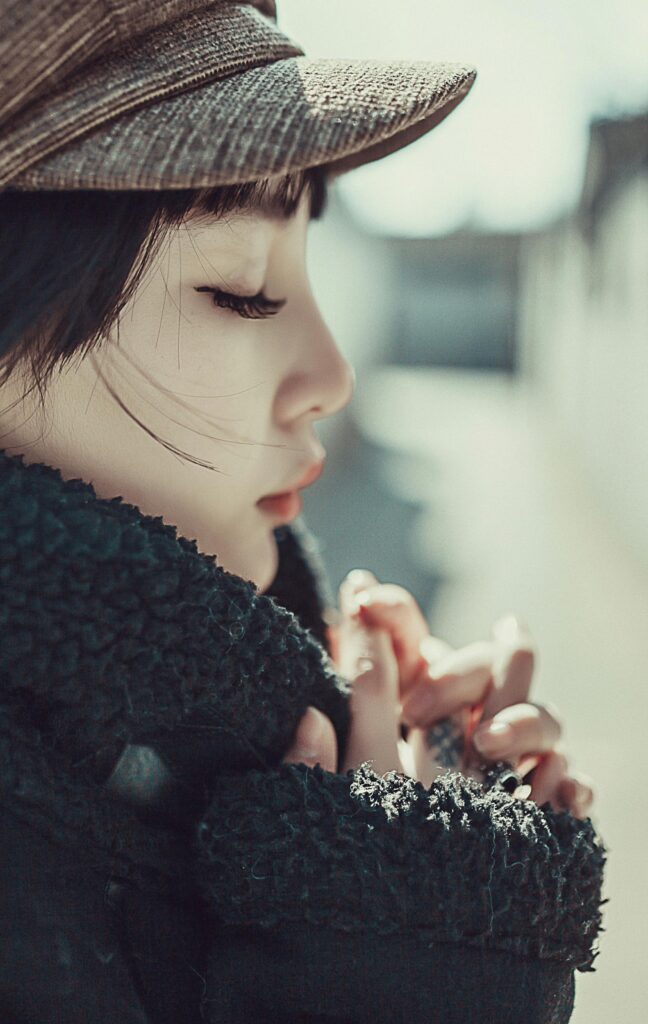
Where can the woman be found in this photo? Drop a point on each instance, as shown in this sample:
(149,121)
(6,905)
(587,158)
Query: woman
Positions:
(206,812)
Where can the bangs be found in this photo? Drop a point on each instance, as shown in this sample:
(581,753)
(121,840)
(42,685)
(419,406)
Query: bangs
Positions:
(278,198)
(51,309)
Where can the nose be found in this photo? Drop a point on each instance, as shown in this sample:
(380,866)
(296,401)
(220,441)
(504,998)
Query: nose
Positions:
(319,381)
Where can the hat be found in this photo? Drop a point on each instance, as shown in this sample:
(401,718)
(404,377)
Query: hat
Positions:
(134,94)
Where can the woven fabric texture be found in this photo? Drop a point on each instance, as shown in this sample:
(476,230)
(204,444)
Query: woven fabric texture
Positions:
(42,42)
(203,46)
(196,94)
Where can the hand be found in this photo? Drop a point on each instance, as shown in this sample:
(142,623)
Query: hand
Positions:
(440,685)
(363,655)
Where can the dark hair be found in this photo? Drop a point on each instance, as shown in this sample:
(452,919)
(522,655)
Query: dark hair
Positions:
(70,261)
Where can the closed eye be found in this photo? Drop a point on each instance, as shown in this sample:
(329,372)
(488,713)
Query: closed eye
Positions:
(251,307)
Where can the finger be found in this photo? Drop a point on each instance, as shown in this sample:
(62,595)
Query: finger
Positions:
(353,583)
(547,779)
(374,704)
(513,665)
(374,670)
(367,659)
(460,678)
(392,607)
(351,636)
(576,793)
(315,741)
(517,731)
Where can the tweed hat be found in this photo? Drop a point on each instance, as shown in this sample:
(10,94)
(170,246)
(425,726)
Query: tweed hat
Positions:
(135,94)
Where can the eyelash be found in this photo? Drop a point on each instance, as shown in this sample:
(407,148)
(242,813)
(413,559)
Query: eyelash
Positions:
(250,307)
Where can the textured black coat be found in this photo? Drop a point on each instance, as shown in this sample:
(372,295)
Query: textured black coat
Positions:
(160,864)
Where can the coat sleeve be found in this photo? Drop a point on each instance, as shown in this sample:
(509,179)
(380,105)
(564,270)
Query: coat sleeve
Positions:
(364,898)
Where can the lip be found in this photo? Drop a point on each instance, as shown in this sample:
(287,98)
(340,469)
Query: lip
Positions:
(288,504)
(284,506)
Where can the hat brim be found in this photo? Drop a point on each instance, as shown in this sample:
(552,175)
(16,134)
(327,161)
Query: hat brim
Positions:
(283,114)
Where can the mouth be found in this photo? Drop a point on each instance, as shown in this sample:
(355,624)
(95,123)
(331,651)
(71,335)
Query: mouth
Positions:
(288,504)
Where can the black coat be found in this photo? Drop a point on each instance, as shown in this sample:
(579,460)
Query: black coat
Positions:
(161,865)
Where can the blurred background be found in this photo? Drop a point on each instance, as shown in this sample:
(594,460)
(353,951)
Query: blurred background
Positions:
(490,285)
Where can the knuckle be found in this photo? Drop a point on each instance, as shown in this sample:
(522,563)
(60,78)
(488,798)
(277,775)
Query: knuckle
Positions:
(432,649)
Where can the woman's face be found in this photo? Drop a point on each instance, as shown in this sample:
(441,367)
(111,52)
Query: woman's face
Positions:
(236,393)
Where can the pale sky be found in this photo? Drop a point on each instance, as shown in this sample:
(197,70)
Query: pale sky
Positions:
(511,156)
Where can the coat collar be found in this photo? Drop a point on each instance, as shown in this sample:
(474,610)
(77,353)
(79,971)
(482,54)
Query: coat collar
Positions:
(119,631)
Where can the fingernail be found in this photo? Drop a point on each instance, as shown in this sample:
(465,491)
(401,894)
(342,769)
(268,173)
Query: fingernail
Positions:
(491,737)
(522,792)
(360,578)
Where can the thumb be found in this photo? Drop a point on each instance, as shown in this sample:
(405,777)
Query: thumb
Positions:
(315,742)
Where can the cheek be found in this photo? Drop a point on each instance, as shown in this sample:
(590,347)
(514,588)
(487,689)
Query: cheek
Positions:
(200,355)
(207,381)
(173,343)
